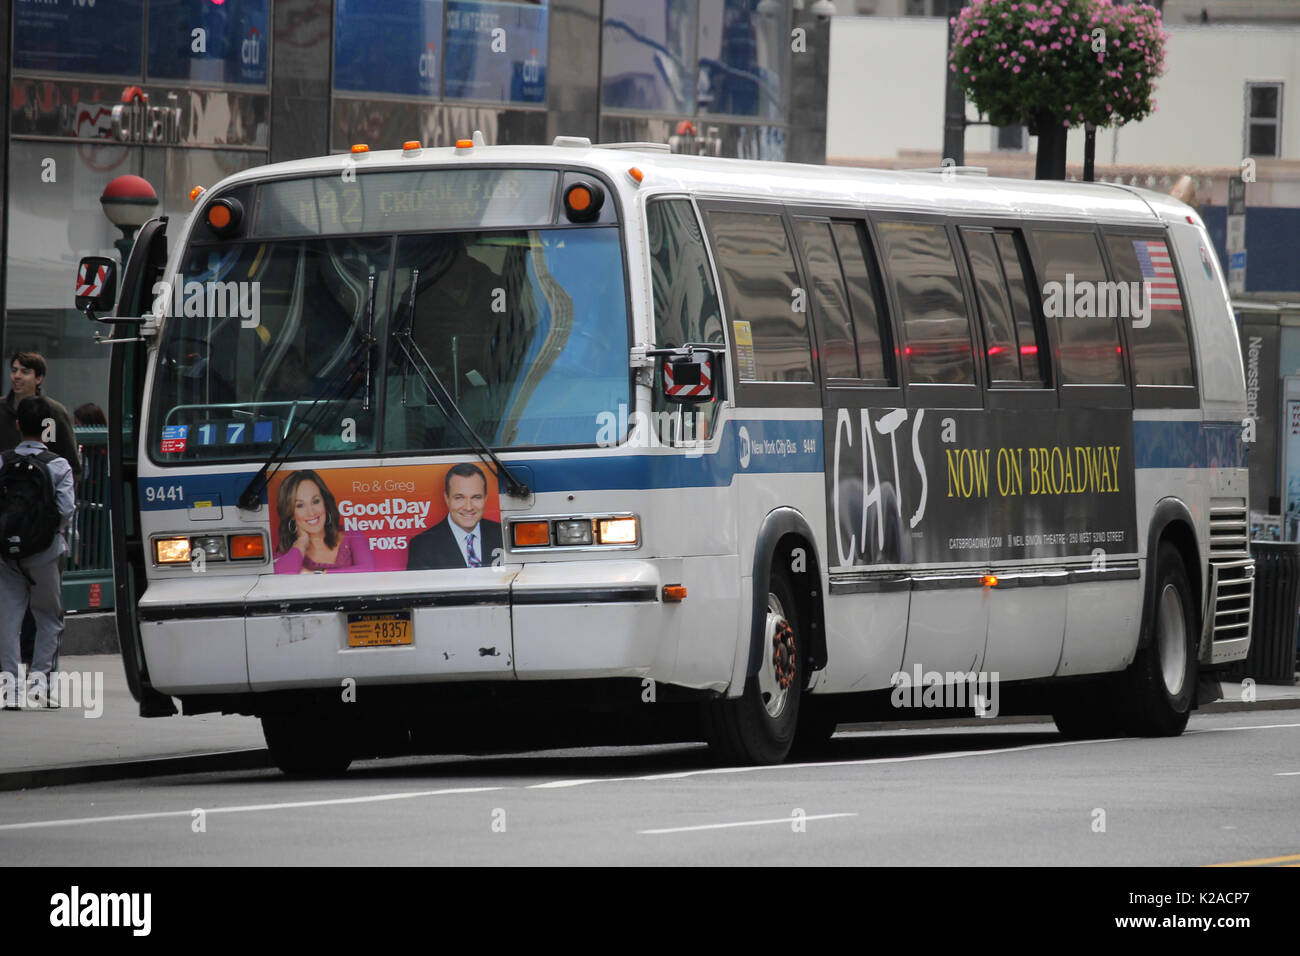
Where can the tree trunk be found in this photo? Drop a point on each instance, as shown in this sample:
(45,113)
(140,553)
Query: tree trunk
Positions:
(1051,146)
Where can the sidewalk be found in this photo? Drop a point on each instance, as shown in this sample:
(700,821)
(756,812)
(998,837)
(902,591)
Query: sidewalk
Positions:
(41,748)
(49,747)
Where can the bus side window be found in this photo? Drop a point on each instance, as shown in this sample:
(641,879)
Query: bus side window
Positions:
(867,297)
(1161,352)
(839,346)
(1073,279)
(1013,344)
(761,287)
(923,272)
(685,298)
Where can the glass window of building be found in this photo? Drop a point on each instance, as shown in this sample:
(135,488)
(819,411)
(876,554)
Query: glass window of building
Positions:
(227,43)
(496,52)
(78,38)
(647,56)
(394,47)
(1263,119)
(743,50)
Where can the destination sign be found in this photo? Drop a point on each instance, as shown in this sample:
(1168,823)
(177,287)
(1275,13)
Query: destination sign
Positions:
(405,202)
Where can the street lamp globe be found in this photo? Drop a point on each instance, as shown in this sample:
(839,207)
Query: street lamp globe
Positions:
(129,202)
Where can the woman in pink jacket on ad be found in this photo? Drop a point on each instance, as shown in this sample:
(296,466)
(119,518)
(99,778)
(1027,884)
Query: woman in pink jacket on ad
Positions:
(310,536)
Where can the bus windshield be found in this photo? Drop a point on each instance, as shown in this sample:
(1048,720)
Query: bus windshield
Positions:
(527,330)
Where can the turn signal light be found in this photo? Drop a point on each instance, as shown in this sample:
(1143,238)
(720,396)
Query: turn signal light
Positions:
(673,593)
(990,580)
(224,215)
(531,534)
(247,547)
(171,550)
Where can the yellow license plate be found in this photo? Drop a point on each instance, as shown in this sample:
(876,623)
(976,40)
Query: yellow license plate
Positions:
(379,630)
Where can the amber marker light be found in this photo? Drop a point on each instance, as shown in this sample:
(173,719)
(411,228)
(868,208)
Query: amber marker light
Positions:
(360,148)
(531,534)
(674,593)
(579,198)
(464,144)
(196,192)
(636,174)
(990,580)
(411,144)
(219,217)
(171,550)
(247,547)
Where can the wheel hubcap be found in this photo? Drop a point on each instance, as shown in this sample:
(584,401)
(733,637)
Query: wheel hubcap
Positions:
(1172,638)
(777,673)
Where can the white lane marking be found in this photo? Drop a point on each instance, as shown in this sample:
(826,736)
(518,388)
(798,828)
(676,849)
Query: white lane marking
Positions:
(1292,773)
(866,761)
(250,808)
(1220,730)
(747,823)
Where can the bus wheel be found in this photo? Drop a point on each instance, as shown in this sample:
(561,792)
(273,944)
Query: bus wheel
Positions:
(309,744)
(759,726)
(1162,678)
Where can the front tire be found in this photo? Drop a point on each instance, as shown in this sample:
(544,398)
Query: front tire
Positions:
(759,726)
(309,744)
(1162,680)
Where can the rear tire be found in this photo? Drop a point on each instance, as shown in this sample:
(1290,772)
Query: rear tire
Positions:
(759,726)
(310,744)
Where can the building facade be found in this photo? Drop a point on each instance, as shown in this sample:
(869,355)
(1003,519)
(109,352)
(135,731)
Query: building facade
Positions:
(185,92)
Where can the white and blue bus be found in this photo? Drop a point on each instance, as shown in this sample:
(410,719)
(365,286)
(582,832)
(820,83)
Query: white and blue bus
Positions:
(413,443)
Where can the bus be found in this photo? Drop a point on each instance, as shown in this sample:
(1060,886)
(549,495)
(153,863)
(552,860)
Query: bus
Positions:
(595,439)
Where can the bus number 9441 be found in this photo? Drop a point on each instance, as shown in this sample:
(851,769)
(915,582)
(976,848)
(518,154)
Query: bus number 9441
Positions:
(164,493)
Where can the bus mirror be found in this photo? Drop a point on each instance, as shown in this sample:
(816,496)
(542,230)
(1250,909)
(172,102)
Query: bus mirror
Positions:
(96,285)
(689,378)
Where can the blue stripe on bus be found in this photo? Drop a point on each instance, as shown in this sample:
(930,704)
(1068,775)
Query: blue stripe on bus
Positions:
(1188,445)
(775,447)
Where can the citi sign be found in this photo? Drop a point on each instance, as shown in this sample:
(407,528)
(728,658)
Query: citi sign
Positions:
(429,61)
(250,51)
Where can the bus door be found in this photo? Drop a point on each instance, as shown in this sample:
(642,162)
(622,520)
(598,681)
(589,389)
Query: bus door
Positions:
(867,535)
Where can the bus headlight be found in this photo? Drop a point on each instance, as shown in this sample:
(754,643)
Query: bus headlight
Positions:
(171,550)
(618,531)
(575,532)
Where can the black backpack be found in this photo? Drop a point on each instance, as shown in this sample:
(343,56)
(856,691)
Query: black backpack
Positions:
(29,512)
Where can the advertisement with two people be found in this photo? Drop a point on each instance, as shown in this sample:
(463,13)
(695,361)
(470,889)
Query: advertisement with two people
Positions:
(405,518)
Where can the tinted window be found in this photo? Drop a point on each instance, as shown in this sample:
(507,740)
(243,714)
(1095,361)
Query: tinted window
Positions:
(865,297)
(921,269)
(685,302)
(758,274)
(1076,297)
(1161,353)
(839,351)
(1001,350)
(1029,328)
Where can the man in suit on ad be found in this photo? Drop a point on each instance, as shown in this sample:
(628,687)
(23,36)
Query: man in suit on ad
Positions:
(465,539)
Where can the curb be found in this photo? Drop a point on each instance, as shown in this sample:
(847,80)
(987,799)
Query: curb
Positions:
(33,777)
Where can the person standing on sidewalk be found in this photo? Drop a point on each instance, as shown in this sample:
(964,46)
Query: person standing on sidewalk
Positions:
(37,502)
(26,373)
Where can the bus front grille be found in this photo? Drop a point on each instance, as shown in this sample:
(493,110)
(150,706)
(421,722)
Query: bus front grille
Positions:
(1232,572)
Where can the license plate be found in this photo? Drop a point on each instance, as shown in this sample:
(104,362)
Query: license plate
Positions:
(379,630)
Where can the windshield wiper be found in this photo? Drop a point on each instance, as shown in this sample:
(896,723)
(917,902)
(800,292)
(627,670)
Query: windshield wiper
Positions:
(250,499)
(413,358)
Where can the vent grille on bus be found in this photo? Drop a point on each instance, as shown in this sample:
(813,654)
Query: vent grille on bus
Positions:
(1233,571)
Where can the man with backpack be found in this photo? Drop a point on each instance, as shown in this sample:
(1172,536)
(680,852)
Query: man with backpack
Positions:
(37,502)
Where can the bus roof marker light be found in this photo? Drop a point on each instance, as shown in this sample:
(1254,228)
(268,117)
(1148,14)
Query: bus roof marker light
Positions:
(196,192)
(636,174)
(464,144)
(582,201)
(360,148)
(411,146)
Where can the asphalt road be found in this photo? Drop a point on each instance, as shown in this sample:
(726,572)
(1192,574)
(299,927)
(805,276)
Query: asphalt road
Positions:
(1226,791)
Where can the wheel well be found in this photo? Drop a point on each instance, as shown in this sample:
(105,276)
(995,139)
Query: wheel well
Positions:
(1181,536)
(796,557)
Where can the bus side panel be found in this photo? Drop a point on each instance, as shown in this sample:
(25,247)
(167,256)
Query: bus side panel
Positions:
(865,634)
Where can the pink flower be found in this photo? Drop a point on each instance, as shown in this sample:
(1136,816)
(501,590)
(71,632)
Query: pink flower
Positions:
(1015,69)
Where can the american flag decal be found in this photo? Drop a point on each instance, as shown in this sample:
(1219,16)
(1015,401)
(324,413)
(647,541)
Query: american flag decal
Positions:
(1158,274)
